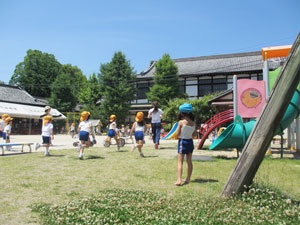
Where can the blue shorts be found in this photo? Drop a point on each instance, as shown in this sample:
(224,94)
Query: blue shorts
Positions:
(139,135)
(185,146)
(84,136)
(5,137)
(46,140)
(111,133)
(1,133)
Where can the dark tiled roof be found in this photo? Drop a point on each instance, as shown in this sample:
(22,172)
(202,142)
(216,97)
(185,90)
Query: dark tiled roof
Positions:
(217,64)
(14,94)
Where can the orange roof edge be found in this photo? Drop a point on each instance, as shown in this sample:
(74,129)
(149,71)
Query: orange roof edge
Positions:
(274,52)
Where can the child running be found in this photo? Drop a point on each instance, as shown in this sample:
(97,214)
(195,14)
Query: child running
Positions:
(47,135)
(2,123)
(138,129)
(85,128)
(7,131)
(112,130)
(185,131)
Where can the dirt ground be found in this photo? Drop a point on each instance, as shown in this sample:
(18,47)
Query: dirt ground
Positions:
(63,141)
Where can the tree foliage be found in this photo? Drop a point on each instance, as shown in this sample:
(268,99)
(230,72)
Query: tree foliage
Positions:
(66,88)
(90,95)
(201,110)
(166,81)
(116,87)
(36,73)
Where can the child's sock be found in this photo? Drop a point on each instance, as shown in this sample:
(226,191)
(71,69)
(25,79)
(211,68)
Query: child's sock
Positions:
(46,150)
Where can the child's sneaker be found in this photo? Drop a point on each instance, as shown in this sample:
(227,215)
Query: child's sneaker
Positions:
(142,155)
(47,154)
(80,157)
(37,146)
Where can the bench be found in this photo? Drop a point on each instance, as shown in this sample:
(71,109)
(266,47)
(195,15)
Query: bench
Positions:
(2,145)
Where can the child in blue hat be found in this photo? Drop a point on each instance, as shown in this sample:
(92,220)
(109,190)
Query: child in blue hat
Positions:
(185,131)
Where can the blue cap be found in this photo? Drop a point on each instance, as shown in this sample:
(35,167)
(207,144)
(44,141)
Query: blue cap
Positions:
(186,108)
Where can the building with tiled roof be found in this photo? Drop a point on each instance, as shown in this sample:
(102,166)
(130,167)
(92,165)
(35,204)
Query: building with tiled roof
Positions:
(204,75)
(24,108)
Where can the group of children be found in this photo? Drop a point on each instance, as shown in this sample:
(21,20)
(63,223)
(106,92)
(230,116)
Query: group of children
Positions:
(185,132)
(5,128)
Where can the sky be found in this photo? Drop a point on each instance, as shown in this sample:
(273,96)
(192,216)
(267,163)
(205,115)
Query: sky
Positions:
(87,33)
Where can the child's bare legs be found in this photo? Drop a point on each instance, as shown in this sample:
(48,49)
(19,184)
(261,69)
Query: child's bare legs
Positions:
(47,146)
(117,142)
(139,147)
(179,169)
(190,167)
(7,140)
(82,145)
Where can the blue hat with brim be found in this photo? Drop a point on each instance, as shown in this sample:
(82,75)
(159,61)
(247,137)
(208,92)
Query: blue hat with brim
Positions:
(186,108)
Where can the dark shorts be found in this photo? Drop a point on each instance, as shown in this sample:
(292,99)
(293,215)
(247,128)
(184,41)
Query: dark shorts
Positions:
(4,136)
(1,133)
(111,133)
(84,136)
(139,135)
(46,140)
(185,146)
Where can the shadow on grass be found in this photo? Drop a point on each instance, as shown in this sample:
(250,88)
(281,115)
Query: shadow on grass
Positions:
(88,157)
(225,157)
(118,151)
(51,156)
(169,147)
(15,153)
(202,181)
(150,156)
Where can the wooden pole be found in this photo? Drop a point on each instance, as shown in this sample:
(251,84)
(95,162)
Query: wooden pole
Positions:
(266,125)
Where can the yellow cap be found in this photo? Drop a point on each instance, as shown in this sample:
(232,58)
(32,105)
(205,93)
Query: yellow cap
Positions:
(84,115)
(139,117)
(112,117)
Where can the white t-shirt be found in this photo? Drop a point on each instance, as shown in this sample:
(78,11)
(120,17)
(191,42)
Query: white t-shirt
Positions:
(155,115)
(2,124)
(85,126)
(187,132)
(47,129)
(7,129)
(113,125)
(139,128)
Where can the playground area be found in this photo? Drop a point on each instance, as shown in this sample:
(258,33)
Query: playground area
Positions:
(63,141)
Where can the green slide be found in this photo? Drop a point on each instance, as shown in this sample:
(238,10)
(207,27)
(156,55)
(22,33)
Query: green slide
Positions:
(237,133)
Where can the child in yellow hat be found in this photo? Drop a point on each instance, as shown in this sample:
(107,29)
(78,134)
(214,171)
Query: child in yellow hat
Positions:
(112,130)
(138,129)
(7,131)
(85,129)
(47,135)
(2,123)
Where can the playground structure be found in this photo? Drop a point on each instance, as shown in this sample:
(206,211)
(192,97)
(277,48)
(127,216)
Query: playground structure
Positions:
(172,133)
(237,133)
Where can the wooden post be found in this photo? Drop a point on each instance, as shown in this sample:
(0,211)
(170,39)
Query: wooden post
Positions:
(266,125)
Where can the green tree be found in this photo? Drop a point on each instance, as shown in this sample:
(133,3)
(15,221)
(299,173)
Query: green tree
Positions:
(62,95)
(166,81)
(36,73)
(201,110)
(116,87)
(65,90)
(90,95)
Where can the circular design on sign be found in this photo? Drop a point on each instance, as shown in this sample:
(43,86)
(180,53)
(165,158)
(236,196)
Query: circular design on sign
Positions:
(251,97)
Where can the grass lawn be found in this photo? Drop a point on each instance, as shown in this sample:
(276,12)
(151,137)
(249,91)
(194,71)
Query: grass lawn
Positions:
(32,181)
